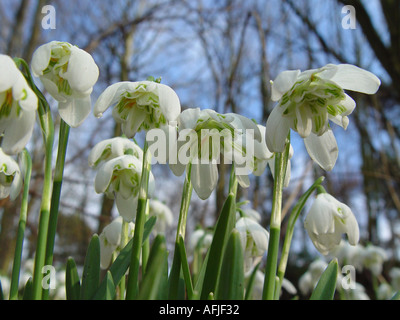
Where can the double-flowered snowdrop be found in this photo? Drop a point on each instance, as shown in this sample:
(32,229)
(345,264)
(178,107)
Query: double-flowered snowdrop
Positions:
(119,164)
(10,177)
(308,100)
(326,222)
(203,135)
(254,239)
(110,240)
(18,105)
(140,105)
(68,74)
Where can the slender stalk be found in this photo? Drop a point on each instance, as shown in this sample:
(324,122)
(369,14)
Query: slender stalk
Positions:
(124,241)
(133,278)
(275,225)
(48,136)
(175,273)
(290,229)
(56,194)
(27,163)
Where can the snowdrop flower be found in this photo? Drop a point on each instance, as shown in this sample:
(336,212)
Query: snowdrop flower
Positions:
(358,293)
(264,157)
(309,279)
(374,257)
(308,100)
(327,220)
(119,178)
(18,105)
(254,240)
(112,148)
(349,254)
(200,240)
(110,240)
(211,134)
(10,177)
(248,213)
(163,213)
(139,105)
(68,74)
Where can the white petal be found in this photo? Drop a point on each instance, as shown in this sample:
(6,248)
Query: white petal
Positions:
(41,58)
(27,99)
(18,132)
(82,72)
(283,82)
(75,110)
(188,118)
(103,178)
(133,121)
(356,79)
(277,130)
(9,72)
(127,207)
(51,87)
(169,102)
(109,97)
(204,178)
(322,149)
(16,186)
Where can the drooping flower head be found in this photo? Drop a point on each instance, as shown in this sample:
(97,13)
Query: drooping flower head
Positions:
(326,222)
(112,148)
(203,135)
(308,100)
(119,178)
(163,213)
(18,104)
(68,74)
(254,239)
(141,105)
(110,240)
(10,177)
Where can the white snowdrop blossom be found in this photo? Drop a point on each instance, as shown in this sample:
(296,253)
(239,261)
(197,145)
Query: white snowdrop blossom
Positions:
(110,240)
(308,100)
(163,213)
(10,177)
(203,135)
(374,257)
(327,220)
(18,105)
(112,148)
(264,157)
(254,239)
(140,105)
(200,240)
(68,74)
(119,178)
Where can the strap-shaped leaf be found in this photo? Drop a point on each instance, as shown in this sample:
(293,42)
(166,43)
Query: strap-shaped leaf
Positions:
(72,281)
(91,269)
(152,280)
(231,280)
(325,288)
(225,224)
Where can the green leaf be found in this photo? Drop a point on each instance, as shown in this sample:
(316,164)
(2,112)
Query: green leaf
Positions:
(28,294)
(231,280)
(91,269)
(109,293)
(72,281)
(396,296)
(185,268)
(121,263)
(325,288)
(152,280)
(225,224)
(250,283)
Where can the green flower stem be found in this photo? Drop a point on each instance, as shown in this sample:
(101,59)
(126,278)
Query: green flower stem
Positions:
(185,203)
(47,126)
(27,163)
(175,274)
(124,242)
(290,229)
(133,278)
(275,225)
(56,194)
